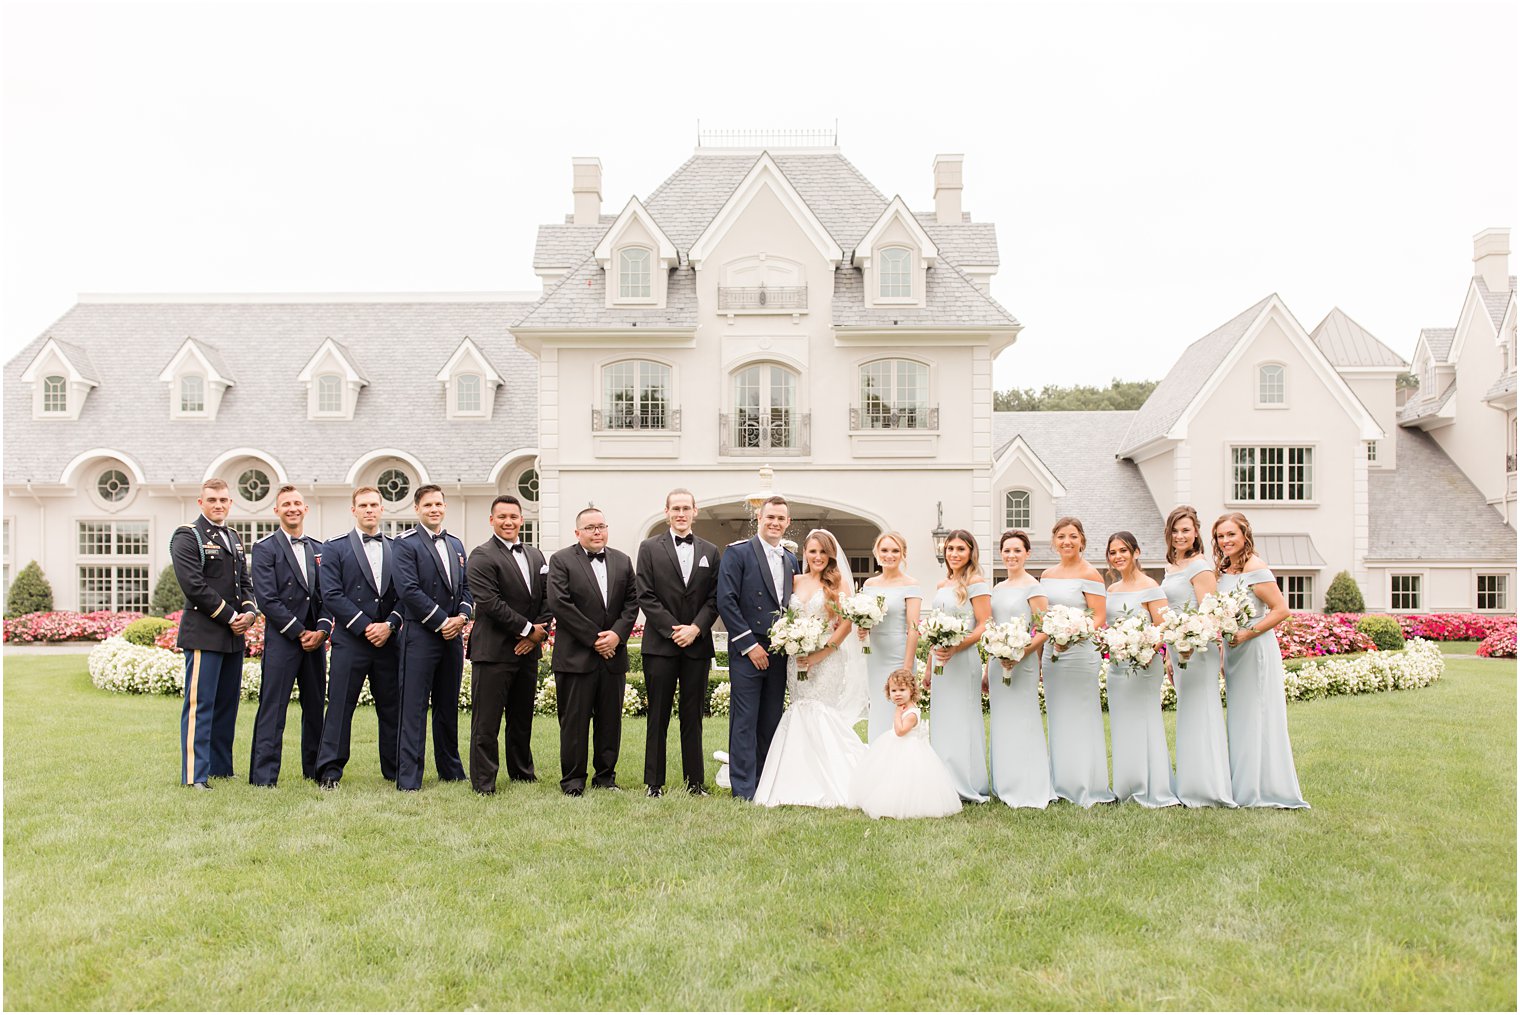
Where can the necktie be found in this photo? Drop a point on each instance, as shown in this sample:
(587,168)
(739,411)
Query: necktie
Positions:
(222,536)
(372,539)
(688,540)
(600,555)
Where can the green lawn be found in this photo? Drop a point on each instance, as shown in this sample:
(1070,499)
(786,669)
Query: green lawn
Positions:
(123,890)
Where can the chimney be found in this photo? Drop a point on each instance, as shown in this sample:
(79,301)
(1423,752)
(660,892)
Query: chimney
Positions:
(947,189)
(1491,259)
(588,190)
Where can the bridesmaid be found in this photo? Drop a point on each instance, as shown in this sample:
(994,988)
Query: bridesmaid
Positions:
(1020,763)
(956,728)
(1261,758)
(1203,756)
(1073,709)
(1142,767)
(894,642)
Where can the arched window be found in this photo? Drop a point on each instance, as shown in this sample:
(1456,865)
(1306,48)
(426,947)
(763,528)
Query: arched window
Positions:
(329,393)
(1016,511)
(394,485)
(527,486)
(636,395)
(895,270)
(1271,384)
(894,393)
(192,393)
(765,408)
(55,394)
(633,273)
(467,393)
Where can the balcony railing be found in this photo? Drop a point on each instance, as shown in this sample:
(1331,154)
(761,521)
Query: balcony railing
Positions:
(884,417)
(1509,463)
(787,298)
(661,419)
(754,433)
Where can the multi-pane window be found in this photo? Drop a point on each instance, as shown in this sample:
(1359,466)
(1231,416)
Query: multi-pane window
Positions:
(1298,590)
(633,273)
(393,527)
(528,533)
(253,485)
(1272,474)
(1271,387)
(1404,591)
(1372,451)
(192,393)
(765,403)
(329,393)
(467,393)
(113,486)
(527,485)
(55,394)
(251,532)
(115,574)
(896,272)
(1016,511)
(894,393)
(636,395)
(394,485)
(1493,591)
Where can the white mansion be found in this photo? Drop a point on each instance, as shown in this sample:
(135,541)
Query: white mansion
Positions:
(760,309)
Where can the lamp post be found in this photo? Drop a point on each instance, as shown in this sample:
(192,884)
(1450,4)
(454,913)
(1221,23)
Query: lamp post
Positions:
(940,532)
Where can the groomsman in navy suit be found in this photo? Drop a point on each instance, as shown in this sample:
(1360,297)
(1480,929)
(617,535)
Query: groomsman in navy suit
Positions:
(754,583)
(357,581)
(285,584)
(435,599)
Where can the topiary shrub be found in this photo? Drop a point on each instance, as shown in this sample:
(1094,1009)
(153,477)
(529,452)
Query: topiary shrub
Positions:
(1384,632)
(29,593)
(145,632)
(167,596)
(1344,595)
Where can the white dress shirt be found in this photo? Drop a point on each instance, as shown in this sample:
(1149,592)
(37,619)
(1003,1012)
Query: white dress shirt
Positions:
(521,560)
(375,551)
(300,553)
(684,554)
(441,548)
(777,557)
(599,568)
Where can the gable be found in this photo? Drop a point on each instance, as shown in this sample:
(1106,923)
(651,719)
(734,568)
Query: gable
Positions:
(635,226)
(896,225)
(765,178)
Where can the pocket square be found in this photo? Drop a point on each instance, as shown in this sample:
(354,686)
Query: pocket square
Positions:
(544,569)
(702,562)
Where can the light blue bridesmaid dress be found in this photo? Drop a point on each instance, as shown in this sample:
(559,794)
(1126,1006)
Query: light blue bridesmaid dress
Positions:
(1203,755)
(1073,709)
(888,641)
(956,728)
(1020,763)
(1261,758)
(1142,767)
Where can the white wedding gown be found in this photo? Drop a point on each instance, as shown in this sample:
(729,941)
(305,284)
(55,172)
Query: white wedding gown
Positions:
(814,752)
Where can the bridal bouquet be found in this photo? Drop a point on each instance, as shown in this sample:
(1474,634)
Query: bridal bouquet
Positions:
(1008,643)
(1133,640)
(798,634)
(1232,610)
(865,610)
(942,630)
(1187,630)
(1067,625)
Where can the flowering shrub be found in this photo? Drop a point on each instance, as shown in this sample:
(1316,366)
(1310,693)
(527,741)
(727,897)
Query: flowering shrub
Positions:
(1453,626)
(1501,643)
(253,638)
(1315,634)
(1419,665)
(545,701)
(720,699)
(65,625)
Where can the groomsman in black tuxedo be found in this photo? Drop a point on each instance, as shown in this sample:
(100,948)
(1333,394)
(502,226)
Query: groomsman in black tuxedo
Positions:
(594,599)
(678,585)
(509,581)
(285,584)
(436,601)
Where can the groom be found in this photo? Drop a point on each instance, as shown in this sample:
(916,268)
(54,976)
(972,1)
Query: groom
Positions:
(754,582)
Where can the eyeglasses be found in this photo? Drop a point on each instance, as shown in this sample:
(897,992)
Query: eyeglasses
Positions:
(593,528)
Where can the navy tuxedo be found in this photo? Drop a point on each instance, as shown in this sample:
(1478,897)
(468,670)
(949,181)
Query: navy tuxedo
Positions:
(352,600)
(747,604)
(291,601)
(431,667)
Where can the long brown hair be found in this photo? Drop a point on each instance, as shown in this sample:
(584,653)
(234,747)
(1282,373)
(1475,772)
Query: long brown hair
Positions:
(830,577)
(1180,512)
(1248,548)
(1133,545)
(962,581)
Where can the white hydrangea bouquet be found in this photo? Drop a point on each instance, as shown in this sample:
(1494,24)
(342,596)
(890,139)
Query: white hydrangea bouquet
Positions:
(1187,630)
(798,634)
(1232,610)
(1007,643)
(1134,640)
(939,629)
(865,610)
(1066,626)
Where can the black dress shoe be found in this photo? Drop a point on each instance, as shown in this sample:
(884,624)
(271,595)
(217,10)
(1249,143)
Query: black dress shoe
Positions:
(653,791)
(486,792)
(328,784)
(200,785)
(698,791)
(574,792)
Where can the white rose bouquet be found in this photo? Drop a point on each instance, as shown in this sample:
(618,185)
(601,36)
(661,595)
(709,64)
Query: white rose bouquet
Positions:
(941,630)
(1066,626)
(1187,630)
(798,634)
(1231,610)
(1134,640)
(1008,643)
(865,610)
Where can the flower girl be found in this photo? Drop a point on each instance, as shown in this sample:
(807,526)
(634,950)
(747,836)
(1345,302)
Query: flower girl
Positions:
(901,776)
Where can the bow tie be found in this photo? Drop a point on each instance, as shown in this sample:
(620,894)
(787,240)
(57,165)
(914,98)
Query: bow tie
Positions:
(688,540)
(371,539)
(600,555)
(220,530)
(439,538)
(297,540)
(516,548)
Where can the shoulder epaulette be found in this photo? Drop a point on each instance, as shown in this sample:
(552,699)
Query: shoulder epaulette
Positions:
(408,532)
(738,542)
(194,533)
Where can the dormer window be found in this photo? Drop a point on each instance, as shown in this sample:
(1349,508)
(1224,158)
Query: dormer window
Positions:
(470,382)
(61,377)
(333,382)
(467,392)
(636,259)
(192,395)
(197,378)
(329,395)
(633,274)
(1271,386)
(55,394)
(896,273)
(895,256)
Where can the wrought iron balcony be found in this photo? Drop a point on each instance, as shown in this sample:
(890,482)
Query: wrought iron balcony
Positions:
(658,418)
(885,417)
(781,298)
(779,432)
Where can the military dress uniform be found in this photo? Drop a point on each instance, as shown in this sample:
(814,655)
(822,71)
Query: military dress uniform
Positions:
(212,569)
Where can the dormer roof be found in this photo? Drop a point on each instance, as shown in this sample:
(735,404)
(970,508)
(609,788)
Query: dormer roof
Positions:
(896,211)
(635,211)
(468,348)
(341,354)
(76,362)
(207,357)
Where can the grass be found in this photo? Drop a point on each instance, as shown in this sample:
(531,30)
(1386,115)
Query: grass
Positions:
(124,891)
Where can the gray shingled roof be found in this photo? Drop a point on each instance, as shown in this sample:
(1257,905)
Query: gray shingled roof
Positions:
(1108,494)
(1419,408)
(562,246)
(1505,385)
(1186,379)
(950,299)
(1347,344)
(580,301)
(1426,509)
(965,243)
(76,354)
(1495,303)
(265,345)
(1438,341)
(213,356)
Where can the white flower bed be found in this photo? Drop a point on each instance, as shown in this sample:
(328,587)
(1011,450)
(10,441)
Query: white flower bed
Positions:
(1420,664)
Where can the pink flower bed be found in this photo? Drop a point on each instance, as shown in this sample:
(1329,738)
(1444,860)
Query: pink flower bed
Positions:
(64,625)
(253,641)
(1440,626)
(1319,634)
(1500,643)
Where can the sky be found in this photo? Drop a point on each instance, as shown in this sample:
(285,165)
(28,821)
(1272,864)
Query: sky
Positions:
(1152,169)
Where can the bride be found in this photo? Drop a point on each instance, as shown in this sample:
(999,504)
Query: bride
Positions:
(813,754)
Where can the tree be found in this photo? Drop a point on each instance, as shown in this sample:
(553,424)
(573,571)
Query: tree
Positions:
(30,593)
(167,595)
(1344,595)
(1054,397)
